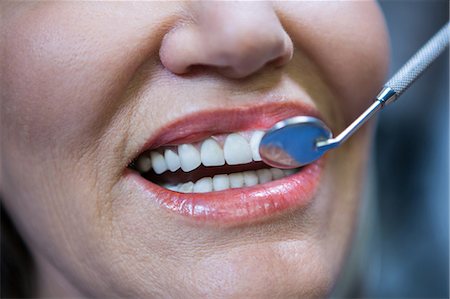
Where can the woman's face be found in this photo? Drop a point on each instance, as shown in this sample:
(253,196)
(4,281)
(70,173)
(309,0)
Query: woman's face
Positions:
(88,87)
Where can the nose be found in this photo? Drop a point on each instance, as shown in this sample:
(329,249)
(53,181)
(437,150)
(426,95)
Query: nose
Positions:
(235,38)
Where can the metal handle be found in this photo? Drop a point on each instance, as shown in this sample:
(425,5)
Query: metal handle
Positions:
(394,88)
(419,62)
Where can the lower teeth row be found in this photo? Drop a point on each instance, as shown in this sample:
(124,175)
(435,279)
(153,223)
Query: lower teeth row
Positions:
(235,180)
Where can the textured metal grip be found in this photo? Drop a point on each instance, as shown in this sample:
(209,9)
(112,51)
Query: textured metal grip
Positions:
(420,61)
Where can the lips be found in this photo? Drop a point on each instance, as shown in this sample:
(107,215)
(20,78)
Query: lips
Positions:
(236,189)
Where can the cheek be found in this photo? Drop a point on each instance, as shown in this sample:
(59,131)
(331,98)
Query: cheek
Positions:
(348,42)
(73,67)
(65,66)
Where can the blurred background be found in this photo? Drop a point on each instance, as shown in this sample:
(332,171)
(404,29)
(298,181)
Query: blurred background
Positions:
(402,244)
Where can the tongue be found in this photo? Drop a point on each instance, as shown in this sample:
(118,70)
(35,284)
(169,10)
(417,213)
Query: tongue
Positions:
(180,176)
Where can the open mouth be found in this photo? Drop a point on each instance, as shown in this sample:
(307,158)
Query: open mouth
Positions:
(216,163)
(206,166)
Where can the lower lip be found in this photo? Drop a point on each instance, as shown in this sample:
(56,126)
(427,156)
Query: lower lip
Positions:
(240,205)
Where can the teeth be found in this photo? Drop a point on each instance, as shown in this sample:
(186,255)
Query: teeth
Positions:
(288,172)
(277,173)
(236,180)
(172,160)
(158,162)
(203,185)
(211,153)
(250,178)
(143,163)
(171,187)
(186,187)
(237,150)
(189,157)
(254,144)
(264,176)
(221,182)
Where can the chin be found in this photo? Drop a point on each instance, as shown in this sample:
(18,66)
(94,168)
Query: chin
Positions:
(283,270)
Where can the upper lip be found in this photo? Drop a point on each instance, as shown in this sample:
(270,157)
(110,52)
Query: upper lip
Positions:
(200,125)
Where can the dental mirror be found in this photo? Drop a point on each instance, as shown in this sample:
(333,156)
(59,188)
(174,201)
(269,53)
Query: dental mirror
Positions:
(292,142)
(301,140)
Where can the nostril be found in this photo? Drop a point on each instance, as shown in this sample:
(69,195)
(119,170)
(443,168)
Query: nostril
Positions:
(277,62)
(281,60)
(283,50)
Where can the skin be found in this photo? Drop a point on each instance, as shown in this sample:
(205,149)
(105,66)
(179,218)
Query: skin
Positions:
(85,84)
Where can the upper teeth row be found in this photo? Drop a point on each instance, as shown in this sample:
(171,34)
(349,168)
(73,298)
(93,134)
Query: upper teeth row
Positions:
(236,150)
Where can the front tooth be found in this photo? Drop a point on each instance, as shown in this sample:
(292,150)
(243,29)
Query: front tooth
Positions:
(158,162)
(264,175)
(254,144)
(211,153)
(143,163)
(277,173)
(221,182)
(172,160)
(203,185)
(236,180)
(237,150)
(189,157)
(186,187)
(250,178)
